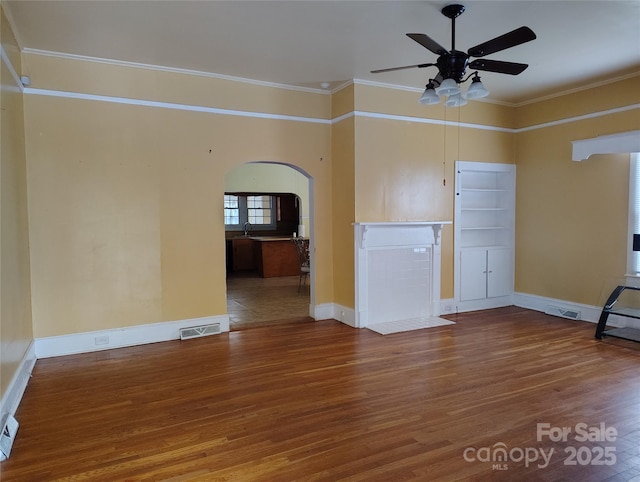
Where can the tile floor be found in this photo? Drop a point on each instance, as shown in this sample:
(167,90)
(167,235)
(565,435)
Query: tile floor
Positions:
(253,301)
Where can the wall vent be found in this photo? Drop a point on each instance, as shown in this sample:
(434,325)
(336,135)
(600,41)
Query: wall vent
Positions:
(9,428)
(199,331)
(561,312)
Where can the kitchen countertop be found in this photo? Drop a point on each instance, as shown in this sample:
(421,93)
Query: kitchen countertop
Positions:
(270,238)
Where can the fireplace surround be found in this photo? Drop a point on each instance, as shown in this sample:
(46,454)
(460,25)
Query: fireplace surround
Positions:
(397,271)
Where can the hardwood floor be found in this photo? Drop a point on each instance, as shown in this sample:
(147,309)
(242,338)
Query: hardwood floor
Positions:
(323,401)
(254,301)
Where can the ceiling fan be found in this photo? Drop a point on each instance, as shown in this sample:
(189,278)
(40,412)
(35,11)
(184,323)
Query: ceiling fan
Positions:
(453,64)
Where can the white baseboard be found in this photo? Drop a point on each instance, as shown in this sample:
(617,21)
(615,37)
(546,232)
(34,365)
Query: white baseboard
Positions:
(157,332)
(447,306)
(334,311)
(13,395)
(323,311)
(120,337)
(483,304)
(541,303)
(344,315)
(588,313)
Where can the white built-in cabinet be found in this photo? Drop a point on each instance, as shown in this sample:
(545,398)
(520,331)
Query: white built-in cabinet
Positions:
(484,229)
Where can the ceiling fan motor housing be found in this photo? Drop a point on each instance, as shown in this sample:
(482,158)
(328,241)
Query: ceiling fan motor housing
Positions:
(452,65)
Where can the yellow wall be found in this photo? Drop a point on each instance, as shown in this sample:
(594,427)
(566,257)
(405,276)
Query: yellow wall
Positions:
(15,294)
(571,217)
(342,212)
(126,213)
(405,168)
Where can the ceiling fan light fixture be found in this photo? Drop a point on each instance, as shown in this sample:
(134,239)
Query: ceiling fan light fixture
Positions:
(476,89)
(429,97)
(448,87)
(456,100)
(453,63)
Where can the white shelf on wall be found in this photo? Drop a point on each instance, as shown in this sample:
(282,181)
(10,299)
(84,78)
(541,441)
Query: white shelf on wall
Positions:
(484,234)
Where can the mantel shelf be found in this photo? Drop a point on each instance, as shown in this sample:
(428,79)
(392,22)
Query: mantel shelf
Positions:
(401,223)
(366,227)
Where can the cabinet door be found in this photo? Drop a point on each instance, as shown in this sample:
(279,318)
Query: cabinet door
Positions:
(473,274)
(243,258)
(499,273)
(288,208)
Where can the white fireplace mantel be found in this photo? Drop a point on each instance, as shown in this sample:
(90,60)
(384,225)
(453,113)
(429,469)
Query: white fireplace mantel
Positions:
(397,270)
(396,227)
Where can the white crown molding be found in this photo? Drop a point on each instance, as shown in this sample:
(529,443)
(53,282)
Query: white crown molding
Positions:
(124,63)
(508,104)
(372,83)
(578,89)
(342,86)
(161,68)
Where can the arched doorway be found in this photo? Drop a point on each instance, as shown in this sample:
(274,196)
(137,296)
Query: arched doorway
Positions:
(266,204)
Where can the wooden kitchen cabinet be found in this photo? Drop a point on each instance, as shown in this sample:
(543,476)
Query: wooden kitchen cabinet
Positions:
(288,208)
(276,257)
(243,253)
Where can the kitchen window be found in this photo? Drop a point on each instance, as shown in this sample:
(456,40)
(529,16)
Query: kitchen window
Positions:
(257,210)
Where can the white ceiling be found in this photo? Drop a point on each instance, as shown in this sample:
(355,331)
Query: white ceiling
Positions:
(305,43)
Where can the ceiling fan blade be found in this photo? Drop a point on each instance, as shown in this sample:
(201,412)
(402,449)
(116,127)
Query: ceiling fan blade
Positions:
(428,43)
(499,66)
(391,69)
(508,40)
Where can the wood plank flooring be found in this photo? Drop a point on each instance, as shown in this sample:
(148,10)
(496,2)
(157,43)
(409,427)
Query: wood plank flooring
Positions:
(325,402)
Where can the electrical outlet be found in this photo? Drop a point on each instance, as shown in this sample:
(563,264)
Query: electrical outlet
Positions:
(102,340)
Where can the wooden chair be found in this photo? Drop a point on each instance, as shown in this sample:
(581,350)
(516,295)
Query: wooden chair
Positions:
(302,246)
